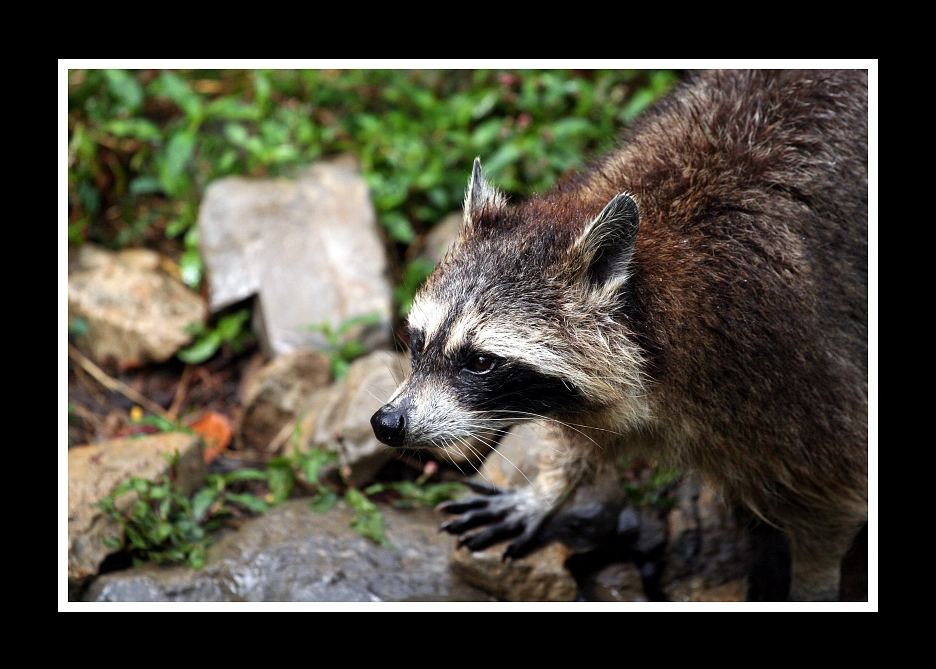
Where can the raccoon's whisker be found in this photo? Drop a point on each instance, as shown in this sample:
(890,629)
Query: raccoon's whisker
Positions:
(382,402)
(554,420)
(590,427)
(473,464)
(508,460)
(480,457)
(452,460)
(476,424)
(561,422)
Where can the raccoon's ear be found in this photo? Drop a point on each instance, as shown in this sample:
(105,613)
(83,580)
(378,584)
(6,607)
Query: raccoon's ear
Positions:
(603,252)
(481,197)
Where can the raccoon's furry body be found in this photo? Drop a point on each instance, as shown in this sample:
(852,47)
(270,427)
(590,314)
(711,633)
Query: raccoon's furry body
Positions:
(722,327)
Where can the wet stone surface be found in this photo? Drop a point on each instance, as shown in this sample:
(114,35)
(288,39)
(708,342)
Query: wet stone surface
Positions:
(295,554)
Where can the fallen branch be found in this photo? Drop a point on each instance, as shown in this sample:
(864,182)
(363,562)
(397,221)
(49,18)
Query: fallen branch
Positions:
(180,392)
(281,437)
(115,385)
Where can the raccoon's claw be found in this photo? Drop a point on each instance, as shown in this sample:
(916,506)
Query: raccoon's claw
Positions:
(503,515)
(471,520)
(462,505)
(483,487)
(490,535)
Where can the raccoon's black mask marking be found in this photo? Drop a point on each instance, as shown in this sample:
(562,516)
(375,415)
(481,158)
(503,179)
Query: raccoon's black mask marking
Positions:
(510,386)
(514,386)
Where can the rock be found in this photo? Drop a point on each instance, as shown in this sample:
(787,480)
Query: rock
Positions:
(277,394)
(704,542)
(93,473)
(440,237)
(134,313)
(691,550)
(618,582)
(309,248)
(295,554)
(694,589)
(540,577)
(89,256)
(338,417)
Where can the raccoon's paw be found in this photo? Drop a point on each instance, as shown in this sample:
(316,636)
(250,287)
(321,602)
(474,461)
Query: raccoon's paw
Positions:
(505,514)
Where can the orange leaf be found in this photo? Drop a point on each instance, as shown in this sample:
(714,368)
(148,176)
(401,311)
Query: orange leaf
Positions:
(215,430)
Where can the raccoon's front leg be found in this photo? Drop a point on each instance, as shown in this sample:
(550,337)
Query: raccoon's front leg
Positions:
(523,514)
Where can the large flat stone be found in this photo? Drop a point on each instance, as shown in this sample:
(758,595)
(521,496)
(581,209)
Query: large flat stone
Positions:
(295,554)
(308,247)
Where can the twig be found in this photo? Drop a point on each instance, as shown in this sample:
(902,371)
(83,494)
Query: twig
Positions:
(114,385)
(89,385)
(88,415)
(281,437)
(180,392)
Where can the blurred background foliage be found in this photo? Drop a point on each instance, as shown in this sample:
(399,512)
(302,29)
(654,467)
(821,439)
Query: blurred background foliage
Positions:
(143,144)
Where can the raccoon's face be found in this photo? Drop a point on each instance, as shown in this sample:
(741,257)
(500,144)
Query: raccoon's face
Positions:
(518,322)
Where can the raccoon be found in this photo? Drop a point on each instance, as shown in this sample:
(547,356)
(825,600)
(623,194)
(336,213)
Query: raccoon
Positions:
(698,295)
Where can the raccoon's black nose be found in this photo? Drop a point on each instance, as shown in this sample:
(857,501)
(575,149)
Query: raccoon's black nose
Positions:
(389,425)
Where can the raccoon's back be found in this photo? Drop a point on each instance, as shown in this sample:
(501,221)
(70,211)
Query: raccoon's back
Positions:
(750,272)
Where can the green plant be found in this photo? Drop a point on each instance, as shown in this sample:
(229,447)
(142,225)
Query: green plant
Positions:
(340,346)
(368,520)
(229,329)
(647,484)
(416,272)
(77,327)
(160,524)
(161,423)
(143,144)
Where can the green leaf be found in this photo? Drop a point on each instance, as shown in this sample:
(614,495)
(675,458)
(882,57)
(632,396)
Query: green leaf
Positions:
(172,86)
(568,127)
(230,326)
(504,156)
(398,226)
(145,185)
(324,501)
(245,475)
(124,86)
(236,134)
(175,162)
(138,128)
(247,501)
(77,327)
(197,557)
(114,543)
(359,501)
(363,320)
(191,267)
(160,423)
(203,349)
(312,463)
(339,368)
(485,134)
(281,481)
(232,109)
(202,501)
(368,520)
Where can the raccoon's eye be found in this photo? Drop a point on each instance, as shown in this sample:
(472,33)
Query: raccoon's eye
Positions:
(481,364)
